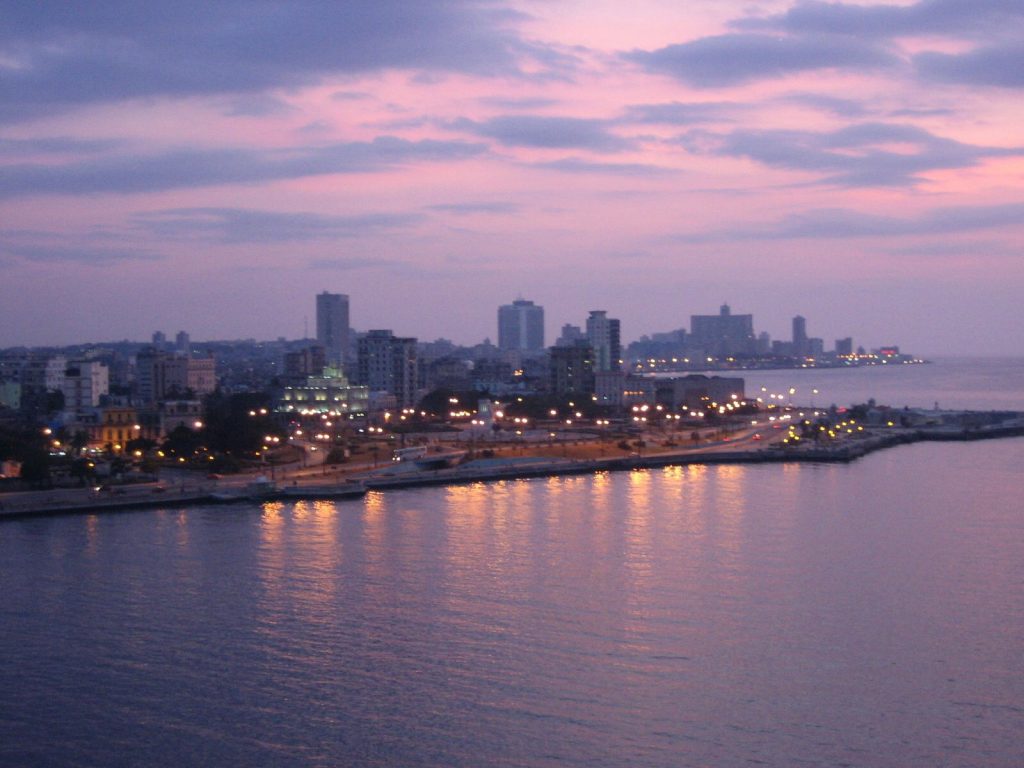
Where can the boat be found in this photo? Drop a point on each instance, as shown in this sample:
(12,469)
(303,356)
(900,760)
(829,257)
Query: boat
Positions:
(348,490)
(429,456)
(439,459)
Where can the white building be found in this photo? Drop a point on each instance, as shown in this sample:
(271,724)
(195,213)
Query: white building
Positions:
(85,381)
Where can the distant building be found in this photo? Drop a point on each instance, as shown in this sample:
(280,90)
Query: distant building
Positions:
(332,329)
(160,376)
(387,363)
(723,334)
(328,393)
(182,343)
(160,340)
(521,326)
(608,387)
(844,346)
(41,374)
(570,335)
(659,346)
(603,333)
(117,426)
(85,382)
(800,336)
(309,361)
(445,373)
(696,391)
(10,395)
(179,413)
(572,369)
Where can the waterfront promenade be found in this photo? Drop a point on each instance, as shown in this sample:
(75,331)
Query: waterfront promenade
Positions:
(353,480)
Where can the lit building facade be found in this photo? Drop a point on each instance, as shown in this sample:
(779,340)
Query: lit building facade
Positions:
(329,393)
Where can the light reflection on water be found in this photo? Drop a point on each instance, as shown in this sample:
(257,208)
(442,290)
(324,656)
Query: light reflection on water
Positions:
(870,614)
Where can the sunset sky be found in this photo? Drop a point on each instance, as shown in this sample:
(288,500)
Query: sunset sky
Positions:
(212,166)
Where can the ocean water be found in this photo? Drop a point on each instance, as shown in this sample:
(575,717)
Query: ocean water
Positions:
(869,614)
(957,383)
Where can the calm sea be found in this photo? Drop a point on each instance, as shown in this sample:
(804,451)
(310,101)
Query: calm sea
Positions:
(958,383)
(869,614)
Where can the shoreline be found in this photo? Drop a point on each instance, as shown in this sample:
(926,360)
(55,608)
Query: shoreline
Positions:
(526,469)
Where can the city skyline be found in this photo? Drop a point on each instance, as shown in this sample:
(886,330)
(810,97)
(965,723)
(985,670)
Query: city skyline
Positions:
(860,165)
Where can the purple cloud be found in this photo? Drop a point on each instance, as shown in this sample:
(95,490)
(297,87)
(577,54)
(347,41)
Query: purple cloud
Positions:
(546,132)
(64,54)
(860,155)
(175,169)
(734,59)
(994,65)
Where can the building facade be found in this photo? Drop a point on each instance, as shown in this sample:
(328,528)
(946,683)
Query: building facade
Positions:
(604,336)
(572,369)
(723,334)
(160,376)
(85,382)
(387,363)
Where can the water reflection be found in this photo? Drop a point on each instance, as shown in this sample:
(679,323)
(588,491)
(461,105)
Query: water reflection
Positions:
(714,615)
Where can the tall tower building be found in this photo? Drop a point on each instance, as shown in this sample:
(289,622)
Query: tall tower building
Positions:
(799,336)
(332,326)
(604,337)
(521,326)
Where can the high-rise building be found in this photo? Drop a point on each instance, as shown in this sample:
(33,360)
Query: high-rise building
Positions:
(604,336)
(724,333)
(799,336)
(521,326)
(387,363)
(182,343)
(332,326)
(844,346)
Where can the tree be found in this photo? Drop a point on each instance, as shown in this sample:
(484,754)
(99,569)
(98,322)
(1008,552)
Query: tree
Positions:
(78,442)
(182,441)
(238,423)
(35,467)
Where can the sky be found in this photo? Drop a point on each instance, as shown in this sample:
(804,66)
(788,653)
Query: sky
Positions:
(210,167)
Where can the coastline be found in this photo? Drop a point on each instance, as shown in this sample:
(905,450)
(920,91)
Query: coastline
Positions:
(42,503)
